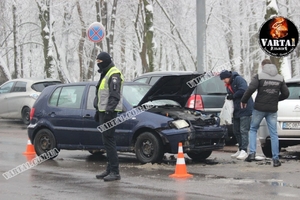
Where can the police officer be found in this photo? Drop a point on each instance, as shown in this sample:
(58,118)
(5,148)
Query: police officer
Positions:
(109,102)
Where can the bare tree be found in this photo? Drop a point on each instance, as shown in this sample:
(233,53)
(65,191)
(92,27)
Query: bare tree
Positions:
(46,33)
(17,73)
(81,43)
(144,32)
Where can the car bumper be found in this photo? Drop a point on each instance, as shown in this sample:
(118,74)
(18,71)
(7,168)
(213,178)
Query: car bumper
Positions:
(30,131)
(196,140)
(285,136)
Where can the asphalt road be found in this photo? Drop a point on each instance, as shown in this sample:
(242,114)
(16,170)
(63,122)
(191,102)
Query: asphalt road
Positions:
(72,175)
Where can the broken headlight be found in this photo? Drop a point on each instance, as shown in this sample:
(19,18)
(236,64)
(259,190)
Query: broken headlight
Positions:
(180,123)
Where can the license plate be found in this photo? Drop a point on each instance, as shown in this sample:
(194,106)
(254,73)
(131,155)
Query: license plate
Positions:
(291,125)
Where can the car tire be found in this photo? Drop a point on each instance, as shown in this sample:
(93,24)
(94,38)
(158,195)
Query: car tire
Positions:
(149,148)
(44,141)
(97,152)
(199,156)
(25,115)
(267,149)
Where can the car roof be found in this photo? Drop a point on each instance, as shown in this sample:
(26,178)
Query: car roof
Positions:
(34,80)
(95,82)
(166,73)
(293,80)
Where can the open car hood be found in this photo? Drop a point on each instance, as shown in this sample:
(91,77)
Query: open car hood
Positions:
(173,87)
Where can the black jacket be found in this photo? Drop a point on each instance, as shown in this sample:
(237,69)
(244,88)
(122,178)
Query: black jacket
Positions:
(270,87)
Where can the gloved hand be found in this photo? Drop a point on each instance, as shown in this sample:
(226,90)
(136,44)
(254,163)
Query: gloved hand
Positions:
(96,116)
(108,116)
(229,96)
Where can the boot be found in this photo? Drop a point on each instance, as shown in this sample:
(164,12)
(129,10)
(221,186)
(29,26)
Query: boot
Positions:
(112,177)
(251,157)
(102,175)
(276,163)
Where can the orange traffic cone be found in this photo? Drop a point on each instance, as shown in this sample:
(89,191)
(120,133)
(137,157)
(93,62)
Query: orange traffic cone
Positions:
(29,149)
(180,170)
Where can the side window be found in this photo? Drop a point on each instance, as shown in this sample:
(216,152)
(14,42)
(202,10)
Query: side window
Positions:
(153,80)
(20,86)
(141,80)
(54,97)
(90,98)
(6,88)
(67,97)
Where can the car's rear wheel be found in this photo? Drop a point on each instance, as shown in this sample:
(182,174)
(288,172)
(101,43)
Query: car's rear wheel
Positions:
(149,148)
(267,149)
(199,156)
(25,115)
(44,141)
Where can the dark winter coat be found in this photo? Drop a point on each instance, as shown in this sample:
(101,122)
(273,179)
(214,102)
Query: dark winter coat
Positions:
(270,87)
(239,86)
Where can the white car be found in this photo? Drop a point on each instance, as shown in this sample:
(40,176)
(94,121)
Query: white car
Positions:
(288,124)
(17,96)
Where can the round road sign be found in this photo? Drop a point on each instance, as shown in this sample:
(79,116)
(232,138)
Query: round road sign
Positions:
(95,32)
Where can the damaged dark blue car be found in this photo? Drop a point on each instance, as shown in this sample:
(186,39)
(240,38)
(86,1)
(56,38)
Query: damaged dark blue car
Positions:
(63,118)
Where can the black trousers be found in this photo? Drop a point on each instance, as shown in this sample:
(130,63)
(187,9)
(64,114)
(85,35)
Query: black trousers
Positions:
(109,142)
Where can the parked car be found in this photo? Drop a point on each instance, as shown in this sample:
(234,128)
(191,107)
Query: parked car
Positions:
(288,121)
(63,118)
(17,96)
(208,96)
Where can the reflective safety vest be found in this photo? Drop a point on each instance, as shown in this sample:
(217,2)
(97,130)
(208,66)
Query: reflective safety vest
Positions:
(103,91)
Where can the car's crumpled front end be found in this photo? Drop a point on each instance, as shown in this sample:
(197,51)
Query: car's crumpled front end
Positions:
(197,132)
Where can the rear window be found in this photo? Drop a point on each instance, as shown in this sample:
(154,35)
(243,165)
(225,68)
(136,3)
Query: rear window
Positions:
(212,85)
(294,89)
(41,85)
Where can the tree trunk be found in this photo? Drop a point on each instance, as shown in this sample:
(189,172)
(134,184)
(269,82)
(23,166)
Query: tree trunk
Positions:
(17,73)
(81,43)
(44,16)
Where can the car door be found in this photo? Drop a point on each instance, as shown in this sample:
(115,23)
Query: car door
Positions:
(5,93)
(66,114)
(90,135)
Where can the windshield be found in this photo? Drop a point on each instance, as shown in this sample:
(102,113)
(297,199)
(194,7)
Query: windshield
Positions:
(134,94)
(294,89)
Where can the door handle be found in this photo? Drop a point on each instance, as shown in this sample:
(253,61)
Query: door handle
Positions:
(87,116)
(52,114)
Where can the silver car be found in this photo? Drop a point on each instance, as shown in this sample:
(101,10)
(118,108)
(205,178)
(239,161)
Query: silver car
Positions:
(288,124)
(17,97)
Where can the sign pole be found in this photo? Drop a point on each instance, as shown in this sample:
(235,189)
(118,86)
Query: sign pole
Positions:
(95,54)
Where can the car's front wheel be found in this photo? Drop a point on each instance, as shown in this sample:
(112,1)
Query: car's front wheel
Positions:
(199,156)
(25,115)
(44,141)
(149,148)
